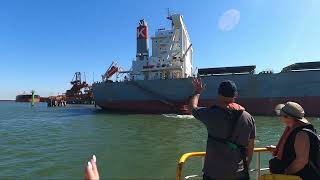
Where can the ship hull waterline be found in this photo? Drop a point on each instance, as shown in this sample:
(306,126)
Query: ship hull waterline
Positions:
(255,106)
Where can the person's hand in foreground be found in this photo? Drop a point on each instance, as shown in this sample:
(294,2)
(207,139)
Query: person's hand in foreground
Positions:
(92,169)
(271,148)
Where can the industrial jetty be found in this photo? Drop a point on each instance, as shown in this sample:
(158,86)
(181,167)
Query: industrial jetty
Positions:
(161,83)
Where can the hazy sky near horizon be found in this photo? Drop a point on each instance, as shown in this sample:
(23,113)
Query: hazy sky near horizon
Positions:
(43,42)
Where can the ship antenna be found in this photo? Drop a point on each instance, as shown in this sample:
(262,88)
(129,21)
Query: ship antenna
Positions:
(169,14)
(92,77)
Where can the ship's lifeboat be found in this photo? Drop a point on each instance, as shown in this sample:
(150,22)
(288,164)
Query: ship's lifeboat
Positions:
(111,71)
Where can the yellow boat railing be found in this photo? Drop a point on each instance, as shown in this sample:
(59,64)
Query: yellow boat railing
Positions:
(186,156)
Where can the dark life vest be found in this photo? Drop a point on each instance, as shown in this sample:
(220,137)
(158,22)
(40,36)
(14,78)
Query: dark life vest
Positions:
(290,155)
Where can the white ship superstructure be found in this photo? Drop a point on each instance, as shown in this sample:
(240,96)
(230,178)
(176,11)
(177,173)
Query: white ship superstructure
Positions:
(171,52)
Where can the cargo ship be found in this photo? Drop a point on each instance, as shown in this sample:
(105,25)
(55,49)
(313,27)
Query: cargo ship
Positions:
(162,82)
(27,98)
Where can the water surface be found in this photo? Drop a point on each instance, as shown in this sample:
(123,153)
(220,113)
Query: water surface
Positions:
(55,143)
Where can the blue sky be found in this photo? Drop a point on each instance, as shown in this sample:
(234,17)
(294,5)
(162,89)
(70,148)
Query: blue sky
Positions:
(43,42)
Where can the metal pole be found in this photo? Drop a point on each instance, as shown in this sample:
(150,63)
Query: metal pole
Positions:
(202,161)
(258,165)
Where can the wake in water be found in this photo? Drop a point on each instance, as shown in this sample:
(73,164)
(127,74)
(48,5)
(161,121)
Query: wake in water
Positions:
(178,116)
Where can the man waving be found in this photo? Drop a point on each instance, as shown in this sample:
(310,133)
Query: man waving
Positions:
(231,133)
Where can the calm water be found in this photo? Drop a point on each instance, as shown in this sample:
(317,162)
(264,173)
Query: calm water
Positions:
(55,143)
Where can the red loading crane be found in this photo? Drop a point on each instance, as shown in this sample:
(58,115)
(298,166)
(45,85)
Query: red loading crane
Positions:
(75,93)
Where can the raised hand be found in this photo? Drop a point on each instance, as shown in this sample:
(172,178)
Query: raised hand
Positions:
(92,169)
(198,86)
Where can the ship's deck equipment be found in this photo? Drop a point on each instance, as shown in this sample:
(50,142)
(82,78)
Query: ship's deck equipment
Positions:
(227,70)
(302,66)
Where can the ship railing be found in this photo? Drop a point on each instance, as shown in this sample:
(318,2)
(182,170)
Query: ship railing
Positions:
(186,156)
